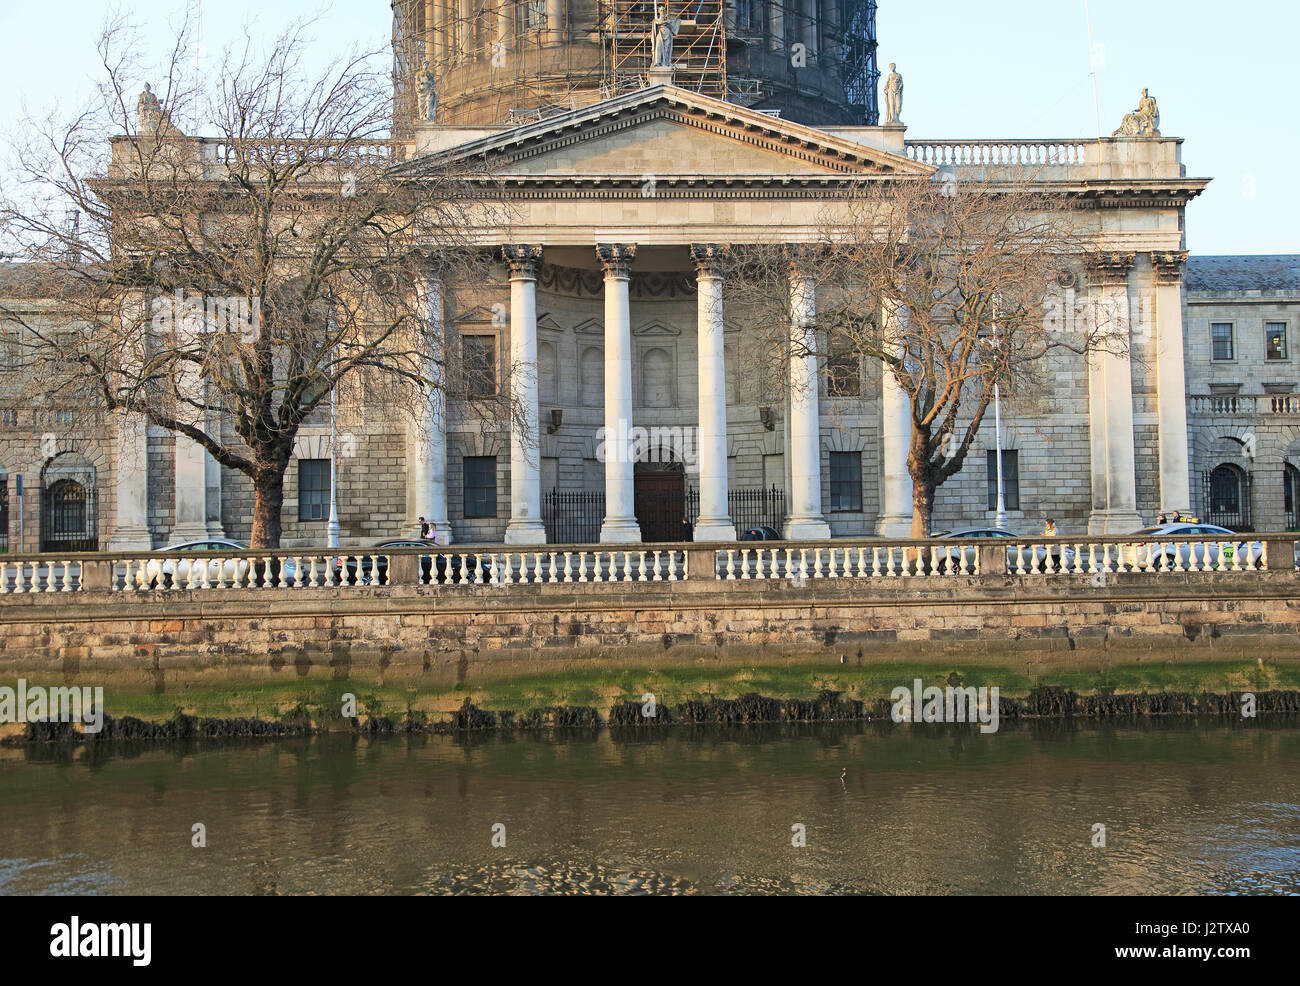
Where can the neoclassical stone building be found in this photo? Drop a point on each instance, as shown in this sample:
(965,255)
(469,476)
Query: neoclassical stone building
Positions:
(622,189)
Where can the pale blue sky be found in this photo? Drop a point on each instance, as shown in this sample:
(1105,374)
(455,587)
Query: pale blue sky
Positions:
(1223,72)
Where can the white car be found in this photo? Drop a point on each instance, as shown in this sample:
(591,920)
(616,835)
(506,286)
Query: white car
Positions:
(179,572)
(1163,555)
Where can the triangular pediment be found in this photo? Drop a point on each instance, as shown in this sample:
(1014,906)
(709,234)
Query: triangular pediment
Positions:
(662,133)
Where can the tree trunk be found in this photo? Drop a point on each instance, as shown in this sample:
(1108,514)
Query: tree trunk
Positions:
(268,502)
(922,507)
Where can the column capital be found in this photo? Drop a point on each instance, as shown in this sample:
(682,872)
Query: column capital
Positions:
(616,258)
(707,258)
(524,259)
(1168,265)
(1107,268)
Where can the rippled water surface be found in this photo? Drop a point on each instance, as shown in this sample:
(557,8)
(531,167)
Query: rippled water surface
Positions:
(1187,808)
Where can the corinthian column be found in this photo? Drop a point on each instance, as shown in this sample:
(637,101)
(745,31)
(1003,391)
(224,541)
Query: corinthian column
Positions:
(525,525)
(620,507)
(714,523)
(1171,382)
(806,521)
(1110,398)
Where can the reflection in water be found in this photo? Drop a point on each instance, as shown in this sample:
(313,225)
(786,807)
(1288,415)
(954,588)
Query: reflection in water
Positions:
(1188,808)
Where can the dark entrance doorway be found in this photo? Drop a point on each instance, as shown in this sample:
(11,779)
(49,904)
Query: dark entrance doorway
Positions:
(659,490)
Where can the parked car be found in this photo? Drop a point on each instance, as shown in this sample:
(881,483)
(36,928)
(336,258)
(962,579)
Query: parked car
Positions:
(1042,556)
(166,572)
(760,534)
(363,571)
(1134,555)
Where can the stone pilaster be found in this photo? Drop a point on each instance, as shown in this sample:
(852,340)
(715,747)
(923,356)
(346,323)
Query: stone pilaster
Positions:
(895,518)
(525,525)
(714,523)
(620,507)
(1110,397)
(1171,381)
(131,522)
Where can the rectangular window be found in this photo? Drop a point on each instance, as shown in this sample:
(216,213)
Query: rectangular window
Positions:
(480,472)
(313,489)
(1010,479)
(1221,340)
(843,374)
(846,482)
(1275,340)
(480,365)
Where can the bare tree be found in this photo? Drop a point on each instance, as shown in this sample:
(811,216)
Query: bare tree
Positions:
(242,277)
(951,287)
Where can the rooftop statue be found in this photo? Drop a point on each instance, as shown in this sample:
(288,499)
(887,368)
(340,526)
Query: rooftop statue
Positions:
(1143,121)
(893,96)
(665,30)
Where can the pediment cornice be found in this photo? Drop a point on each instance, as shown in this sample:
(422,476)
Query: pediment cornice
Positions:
(805,147)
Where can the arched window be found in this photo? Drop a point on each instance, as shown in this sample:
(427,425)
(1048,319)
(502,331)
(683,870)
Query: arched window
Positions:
(547,385)
(1291,495)
(656,378)
(593,377)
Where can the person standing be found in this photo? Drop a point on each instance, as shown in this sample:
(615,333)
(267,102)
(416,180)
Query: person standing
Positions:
(1049,528)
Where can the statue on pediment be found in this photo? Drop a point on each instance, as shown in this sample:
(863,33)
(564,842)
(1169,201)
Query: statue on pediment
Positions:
(148,111)
(665,30)
(1143,121)
(893,96)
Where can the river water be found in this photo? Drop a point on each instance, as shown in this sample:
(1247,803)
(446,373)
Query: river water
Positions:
(1188,807)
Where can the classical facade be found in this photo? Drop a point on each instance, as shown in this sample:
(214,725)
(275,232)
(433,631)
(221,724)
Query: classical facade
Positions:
(644,417)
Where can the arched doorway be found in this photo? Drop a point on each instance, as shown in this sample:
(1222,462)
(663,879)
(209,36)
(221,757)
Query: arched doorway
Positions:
(69,512)
(1227,497)
(659,490)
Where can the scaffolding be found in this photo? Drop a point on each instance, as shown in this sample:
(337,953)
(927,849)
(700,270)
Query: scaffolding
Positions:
(699,48)
(512,61)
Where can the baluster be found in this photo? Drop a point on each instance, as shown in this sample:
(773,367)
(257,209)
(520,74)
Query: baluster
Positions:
(582,565)
(1236,557)
(803,563)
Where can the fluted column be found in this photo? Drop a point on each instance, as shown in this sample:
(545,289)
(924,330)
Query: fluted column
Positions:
(808,26)
(525,525)
(620,506)
(429,469)
(714,523)
(896,507)
(505,22)
(554,22)
(1110,399)
(1171,382)
(806,521)
(131,518)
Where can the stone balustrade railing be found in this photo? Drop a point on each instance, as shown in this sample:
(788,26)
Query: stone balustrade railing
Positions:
(1245,404)
(996,153)
(377,153)
(142,573)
